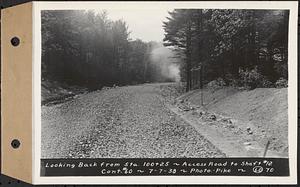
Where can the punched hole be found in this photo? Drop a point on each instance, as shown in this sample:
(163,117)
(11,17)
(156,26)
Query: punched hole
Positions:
(15,41)
(15,143)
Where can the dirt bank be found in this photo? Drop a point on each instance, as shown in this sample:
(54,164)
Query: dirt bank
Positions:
(258,115)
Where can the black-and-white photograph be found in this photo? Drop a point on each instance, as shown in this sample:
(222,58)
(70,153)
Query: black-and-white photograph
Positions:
(164,83)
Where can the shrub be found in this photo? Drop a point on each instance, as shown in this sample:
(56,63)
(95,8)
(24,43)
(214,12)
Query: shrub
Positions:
(282,69)
(281,83)
(250,78)
(235,83)
(216,84)
(266,83)
(232,81)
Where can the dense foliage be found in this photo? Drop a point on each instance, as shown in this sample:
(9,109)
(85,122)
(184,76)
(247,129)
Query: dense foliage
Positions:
(243,47)
(89,49)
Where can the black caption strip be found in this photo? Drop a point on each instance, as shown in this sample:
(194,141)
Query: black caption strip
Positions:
(166,166)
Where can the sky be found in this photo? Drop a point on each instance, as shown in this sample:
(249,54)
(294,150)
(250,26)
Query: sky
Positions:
(145,24)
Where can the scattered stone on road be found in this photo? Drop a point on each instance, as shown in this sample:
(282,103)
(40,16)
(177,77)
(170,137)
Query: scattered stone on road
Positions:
(121,122)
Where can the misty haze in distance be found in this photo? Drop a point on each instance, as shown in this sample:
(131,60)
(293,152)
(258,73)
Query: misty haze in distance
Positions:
(147,25)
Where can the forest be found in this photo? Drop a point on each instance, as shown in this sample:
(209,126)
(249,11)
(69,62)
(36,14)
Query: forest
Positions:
(234,47)
(88,49)
(246,48)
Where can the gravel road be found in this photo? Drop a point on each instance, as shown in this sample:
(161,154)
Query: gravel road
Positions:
(122,122)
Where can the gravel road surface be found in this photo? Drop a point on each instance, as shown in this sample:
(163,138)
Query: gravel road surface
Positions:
(122,122)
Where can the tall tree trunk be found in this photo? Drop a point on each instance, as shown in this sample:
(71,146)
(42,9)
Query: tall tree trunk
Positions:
(200,63)
(188,56)
(235,67)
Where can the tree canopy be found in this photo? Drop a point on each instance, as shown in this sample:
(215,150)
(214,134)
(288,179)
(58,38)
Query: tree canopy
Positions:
(231,44)
(89,49)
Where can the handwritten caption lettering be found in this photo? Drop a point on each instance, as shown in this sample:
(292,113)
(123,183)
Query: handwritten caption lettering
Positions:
(154,167)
